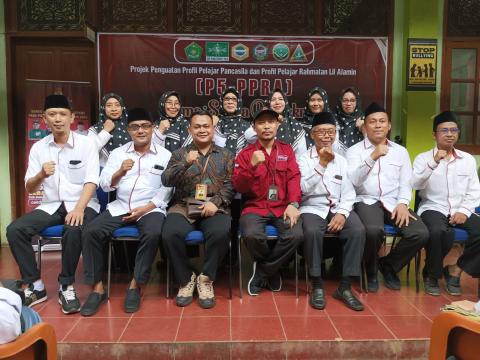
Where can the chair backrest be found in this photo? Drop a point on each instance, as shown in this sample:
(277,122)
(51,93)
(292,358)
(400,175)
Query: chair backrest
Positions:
(102,197)
(38,342)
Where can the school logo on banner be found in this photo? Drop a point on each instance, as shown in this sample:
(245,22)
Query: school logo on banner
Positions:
(240,52)
(260,52)
(193,51)
(298,55)
(217,51)
(281,52)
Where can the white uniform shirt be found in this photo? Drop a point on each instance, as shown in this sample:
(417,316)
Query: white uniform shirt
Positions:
(76,165)
(101,139)
(142,183)
(386,180)
(325,189)
(10,310)
(448,187)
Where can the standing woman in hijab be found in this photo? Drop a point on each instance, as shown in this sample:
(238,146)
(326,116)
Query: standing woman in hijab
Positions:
(172,131)
(316,102)
(349,117)
(110,131)
(231,126)
(290,131)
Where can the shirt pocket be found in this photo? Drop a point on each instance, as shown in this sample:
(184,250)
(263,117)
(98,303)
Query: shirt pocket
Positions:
(461,182)
(155,176)
(76,171)
(392,170)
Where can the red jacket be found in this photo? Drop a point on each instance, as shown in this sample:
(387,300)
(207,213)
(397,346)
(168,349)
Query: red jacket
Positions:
(254,181)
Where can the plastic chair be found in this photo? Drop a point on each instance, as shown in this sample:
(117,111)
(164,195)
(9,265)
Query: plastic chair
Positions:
(454,334)
(392,231)
(55,232)
(124,233)
(272,234)
(196,238)
(38,342)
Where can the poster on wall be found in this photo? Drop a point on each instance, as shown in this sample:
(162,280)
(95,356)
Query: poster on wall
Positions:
(140,67)
(422,65)
(78,93)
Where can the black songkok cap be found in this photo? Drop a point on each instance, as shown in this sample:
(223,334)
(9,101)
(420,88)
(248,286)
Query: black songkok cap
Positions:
(445,116)
(56,101)
(374,108)
(138,114)
(323,118)
(264,111)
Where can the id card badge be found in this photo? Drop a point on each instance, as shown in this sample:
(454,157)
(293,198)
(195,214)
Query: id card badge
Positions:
(273,193)
(201,191)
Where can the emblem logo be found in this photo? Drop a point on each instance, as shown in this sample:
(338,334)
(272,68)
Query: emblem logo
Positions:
(240,52)
(193,51)
(217,51)
(281,52)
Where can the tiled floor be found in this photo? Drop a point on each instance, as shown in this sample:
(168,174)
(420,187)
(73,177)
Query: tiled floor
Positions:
(238,328)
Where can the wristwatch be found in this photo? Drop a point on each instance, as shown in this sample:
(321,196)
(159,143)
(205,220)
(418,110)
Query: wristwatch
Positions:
(295,204)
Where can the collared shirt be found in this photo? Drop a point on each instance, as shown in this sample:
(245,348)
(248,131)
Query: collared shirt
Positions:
(325,189)
(10,311)
(447,187)
(386,180)
(139,185)
(184,177)
(100,140)
(76,163)
(279,169)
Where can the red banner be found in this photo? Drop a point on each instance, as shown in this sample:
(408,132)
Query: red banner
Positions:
(36,90)
(142,67)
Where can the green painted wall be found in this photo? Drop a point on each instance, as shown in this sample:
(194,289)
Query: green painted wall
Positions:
(5,196)
(423,20)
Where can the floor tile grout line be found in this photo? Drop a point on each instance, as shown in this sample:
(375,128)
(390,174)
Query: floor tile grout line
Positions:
(280,318)
(381,321)
(420,311)
(178,326)
(333,324)
(71,329)
(125,328)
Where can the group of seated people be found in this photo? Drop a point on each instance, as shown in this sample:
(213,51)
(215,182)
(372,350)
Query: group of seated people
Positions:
(179,175)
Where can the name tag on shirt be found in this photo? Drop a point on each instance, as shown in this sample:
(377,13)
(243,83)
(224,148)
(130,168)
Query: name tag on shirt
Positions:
(282,157)
(338,177)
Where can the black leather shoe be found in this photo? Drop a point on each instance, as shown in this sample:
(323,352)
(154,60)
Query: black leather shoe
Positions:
(317,298)
(349,299)
(93,303)
(132,301)
(372,283)
(390,277)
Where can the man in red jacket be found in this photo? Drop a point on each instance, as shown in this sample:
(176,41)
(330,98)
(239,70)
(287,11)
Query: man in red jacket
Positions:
(267,175)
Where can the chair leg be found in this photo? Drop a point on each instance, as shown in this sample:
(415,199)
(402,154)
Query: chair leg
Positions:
(239,249)
(296,273)
(109,270)
(418,257)
(364,275)
(168,277)
(408,270)
(230,280)
(39,257)
(307,282)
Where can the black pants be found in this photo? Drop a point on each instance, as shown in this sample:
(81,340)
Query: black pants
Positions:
(99,231)
(352,237)
(414,237)
(270,259)
(20,232)
(216,231)
(441,241)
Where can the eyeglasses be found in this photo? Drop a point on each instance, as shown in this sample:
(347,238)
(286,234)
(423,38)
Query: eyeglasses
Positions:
(171,103)
(445,131)
(135,127)
(324,132)
(230,98)
(351,101)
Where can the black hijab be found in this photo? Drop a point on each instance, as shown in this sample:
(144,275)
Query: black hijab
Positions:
(177,135)
(119,133)
(290,131)
(348,133)
(232,127)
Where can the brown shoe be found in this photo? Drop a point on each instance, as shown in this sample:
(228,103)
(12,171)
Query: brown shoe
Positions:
(185,293)
(206,296)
